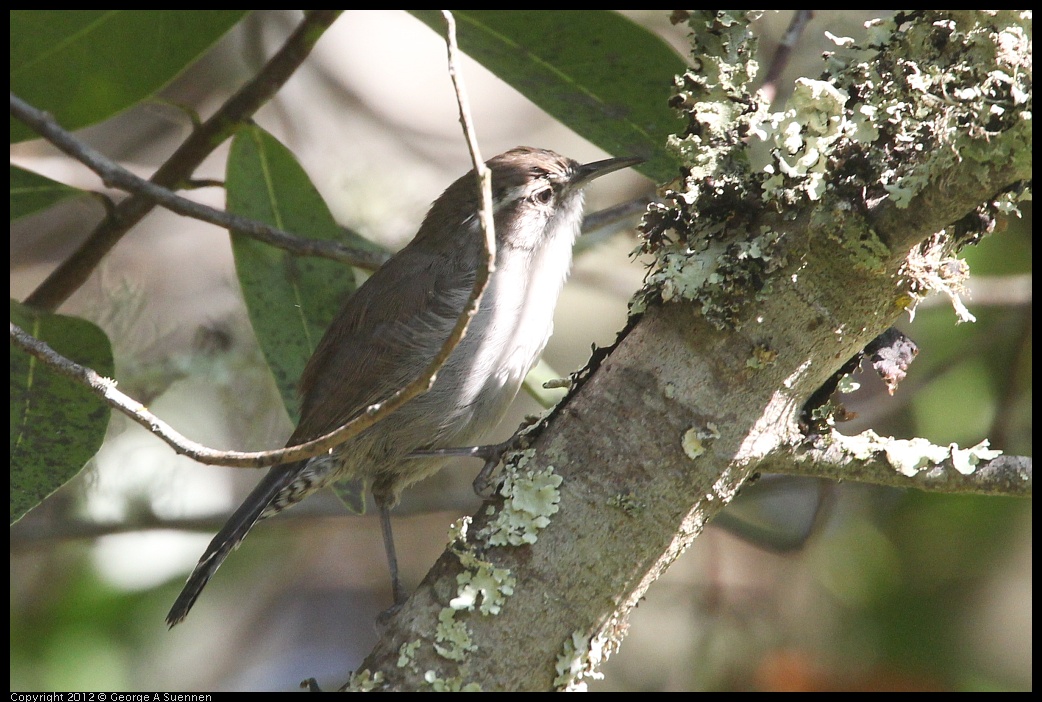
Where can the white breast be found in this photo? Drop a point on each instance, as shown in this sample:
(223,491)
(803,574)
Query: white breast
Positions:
(515,321)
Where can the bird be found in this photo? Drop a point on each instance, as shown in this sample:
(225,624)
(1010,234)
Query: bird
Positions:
(391,327)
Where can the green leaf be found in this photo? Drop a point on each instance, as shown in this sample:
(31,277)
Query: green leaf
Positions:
(598,73)
(290,299)
(32,192)
(56,423)
(86,66)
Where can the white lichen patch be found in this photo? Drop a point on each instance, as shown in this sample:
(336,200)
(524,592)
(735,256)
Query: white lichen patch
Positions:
(453,684)
(930,268)
(578,661)
(909,457)
(966,460)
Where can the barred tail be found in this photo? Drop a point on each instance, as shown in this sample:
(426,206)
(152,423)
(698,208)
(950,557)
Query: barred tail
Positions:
(230,536)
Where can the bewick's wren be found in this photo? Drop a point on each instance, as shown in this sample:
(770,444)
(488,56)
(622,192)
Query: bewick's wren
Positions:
(390,329)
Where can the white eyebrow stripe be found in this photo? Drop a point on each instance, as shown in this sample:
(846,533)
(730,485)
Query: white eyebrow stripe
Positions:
(513,194)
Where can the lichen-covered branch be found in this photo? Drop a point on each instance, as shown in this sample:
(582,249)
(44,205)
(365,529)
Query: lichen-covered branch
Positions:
(907,463)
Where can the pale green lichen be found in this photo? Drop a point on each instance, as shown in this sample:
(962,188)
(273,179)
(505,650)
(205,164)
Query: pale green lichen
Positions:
(847,385)
(458,531)
(702,264)
(803,136)
(407,654)
(824,414)
(452,638)
(364,681)
(696,440)
(1009,203)
(927,90)
(722,52)
(531,498)
(692,444)
(939,90)
(879,31)
(721,277)
(483,586)
(628,503)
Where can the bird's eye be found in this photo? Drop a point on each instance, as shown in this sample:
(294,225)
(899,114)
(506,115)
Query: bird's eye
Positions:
(543,196)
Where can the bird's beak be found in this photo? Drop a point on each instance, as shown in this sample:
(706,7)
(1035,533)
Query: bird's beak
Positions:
(588,171)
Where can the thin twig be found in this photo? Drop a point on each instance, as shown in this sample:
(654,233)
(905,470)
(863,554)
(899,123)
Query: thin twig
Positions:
(603,224)
(484,182)
(105,389)
(425,380)
(115,176)
(784,52)
(74,271)
(484,175)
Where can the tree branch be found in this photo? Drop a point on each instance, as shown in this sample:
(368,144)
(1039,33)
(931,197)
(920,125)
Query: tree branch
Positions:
(869,458)
(115,176)
(74,271)
(105,389)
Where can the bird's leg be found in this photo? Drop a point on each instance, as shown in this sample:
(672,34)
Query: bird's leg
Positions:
(397,590)
(492,454)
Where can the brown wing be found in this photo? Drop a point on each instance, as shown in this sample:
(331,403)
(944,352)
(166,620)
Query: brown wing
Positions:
(383,337)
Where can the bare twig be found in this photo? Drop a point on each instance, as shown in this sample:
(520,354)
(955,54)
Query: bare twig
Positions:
(484,175)
(105,389)
(115,176)
(784,52)
(602,225)
(74,271)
